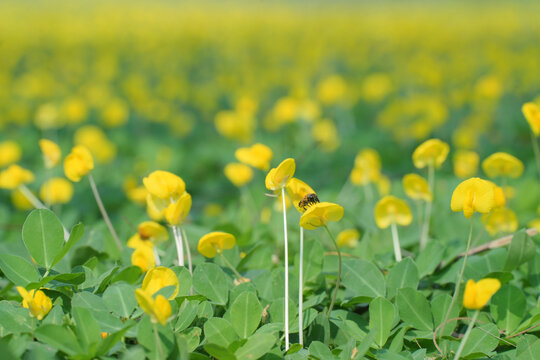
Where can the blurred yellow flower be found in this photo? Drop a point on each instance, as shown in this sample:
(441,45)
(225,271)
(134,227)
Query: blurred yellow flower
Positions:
(20,201)
(478,294)
(164,185)
(10,152)
(15,176)
(52,155)
(502,164)
(215,242)
(143,257)
(391,210)
(239,174)
(97,142)
(78,163)
(115,113)
(535,223)
(258,156)
(384,185)
(367,167)
(331,89)
(297,190)
(36,301)
(159,309)
(465,163)
(500,196)
(416,187)
(320,214)
(473,195)
(266,215)
(74,110)
(531,111)
(500,220)
(326,134)
(56,191)
(376,87)
(177,211)
(348,238)
(158,278)
(432,152)
(134,192)
(213,210)
(277,178)
(234,125)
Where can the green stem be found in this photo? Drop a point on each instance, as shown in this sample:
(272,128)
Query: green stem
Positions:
(536,150)
(301,290)
(338,274)
(158,342)
(429,205)
(395,241)
(104,212)
(230,266)
(188,251)
(466,336)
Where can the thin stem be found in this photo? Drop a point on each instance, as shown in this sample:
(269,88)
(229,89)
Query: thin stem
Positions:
(338,274)
(179,247)
(301,289)
(158,342)
(429,205)
(466,336)
(188,251)
(228,263)
(104,212)
(536,150)
(286,260)
(156,256)
(395,241)
(460,277)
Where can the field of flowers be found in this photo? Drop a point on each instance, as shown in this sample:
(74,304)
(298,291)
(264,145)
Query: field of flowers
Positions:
(269,180)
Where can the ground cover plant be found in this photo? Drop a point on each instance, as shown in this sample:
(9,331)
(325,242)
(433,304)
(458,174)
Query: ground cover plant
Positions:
(269,180)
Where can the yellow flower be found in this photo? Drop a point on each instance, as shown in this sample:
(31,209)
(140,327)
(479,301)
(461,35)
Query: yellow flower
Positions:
(143,257)
(56,191)
(149,233)
(384,185)
(37,302)
(164,185)
(158,278)
(432,152)
(93,138)
(215,242)
(10,152)
(465,163)
(15,176)
(416,187)
(297,190)
(51,153)
(238,174)
(20,201)
(391,210)
(531,111)
(473,195)
(258,156)
(277,178)
(500,196)
(367,167)
(78,163)
(178,210)
(159,309)
(478,294)
(320,214)
(115,113)
(331,89)
(235,125)
(134,192)
(535,223)
(348,238)
(500,220)
(326,134)
(502,164)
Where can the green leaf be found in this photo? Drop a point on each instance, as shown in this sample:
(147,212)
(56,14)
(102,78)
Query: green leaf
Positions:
(186,314)
(111,340)
(43,236)
(320,351)
(60,338)
(15,319)
(219,352)
(381,318)
(256,346)
(414,309)
(403,274)
(18,270)
(483,340)
(528,347)
(439,308)
(120,299)
(246,312)
(87,329)
(429,258)
(362,278)
(129,274)
(508,307)
(219,331)
(521,250)
(209,280)
(76,234)
(365,344)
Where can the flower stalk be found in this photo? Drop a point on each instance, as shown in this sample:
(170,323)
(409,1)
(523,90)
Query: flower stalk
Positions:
(104,211)
(429,206)
(395,241)
(301,289)
(286,260)
(188,251)
(179,246)
(338,280)
(467,334)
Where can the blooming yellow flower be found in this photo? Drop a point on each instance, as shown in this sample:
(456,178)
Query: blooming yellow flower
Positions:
(95,140)
(391,210)
(10,152)
(258,156)
(238,174)
(37,302)
(478,294)
(416,187)
(215,242)
(277,178)
(432,152)
(15,176)
(159,308)
(465,163)
(320,214)
(531,111)
(143,257)
(297,190)
(367,167)
(502,164)
(177,211)
(473,195)
(235,125)
(56,191)
(500,220)
(51,153)
(149,233)
(158,278)
(78,163)
(164,185)
(348,238)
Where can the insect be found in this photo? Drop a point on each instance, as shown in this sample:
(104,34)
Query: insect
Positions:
(308,200)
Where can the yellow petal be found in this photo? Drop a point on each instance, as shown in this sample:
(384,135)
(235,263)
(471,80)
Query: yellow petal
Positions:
(164,184)
(502,164)
(320,214)
(51,153)
(177,211)
(391,210)
(278,177)
(158,278)
(214,242)
(78,163)
(431,152)
(238,174)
